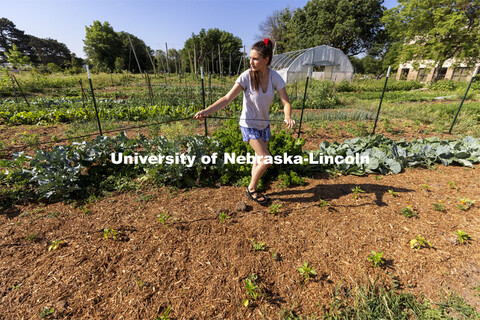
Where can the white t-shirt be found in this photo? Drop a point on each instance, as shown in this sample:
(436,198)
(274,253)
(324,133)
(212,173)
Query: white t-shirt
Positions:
(256,104)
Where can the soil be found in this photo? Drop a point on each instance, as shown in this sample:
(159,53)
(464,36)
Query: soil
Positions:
(197,265)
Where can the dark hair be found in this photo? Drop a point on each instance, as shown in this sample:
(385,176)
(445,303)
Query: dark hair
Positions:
(265,49)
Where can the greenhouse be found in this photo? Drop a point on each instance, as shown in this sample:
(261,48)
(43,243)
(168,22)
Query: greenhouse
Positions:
(332,64)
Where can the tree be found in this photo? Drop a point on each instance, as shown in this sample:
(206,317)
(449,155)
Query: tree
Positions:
(9,35)
(102,45)
(275,27)
(352,26)
(16,58)
(143,52)
(435,30)
(119,64)
(49,50)
(205,45)
(38,50)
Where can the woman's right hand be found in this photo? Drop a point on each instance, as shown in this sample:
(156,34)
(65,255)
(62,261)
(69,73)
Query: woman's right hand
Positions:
(200,115)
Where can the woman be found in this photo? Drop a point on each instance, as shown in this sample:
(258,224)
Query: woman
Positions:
(258,85)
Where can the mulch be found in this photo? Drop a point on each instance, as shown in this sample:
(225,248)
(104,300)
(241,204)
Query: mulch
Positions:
(197,265)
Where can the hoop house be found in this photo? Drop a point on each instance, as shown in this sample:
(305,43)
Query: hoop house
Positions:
(294,65)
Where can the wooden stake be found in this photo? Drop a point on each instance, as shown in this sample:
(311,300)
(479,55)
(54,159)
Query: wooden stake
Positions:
(135,55)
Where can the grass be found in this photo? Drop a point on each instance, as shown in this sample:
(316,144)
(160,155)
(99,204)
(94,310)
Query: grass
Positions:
(377,300)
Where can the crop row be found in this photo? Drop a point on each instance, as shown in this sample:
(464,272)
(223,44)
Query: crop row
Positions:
(65,171)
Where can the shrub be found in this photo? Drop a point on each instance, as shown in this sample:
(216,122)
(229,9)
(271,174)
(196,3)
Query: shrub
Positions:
(345,86)
(443,85)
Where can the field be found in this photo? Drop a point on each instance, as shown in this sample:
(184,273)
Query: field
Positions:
(81,238)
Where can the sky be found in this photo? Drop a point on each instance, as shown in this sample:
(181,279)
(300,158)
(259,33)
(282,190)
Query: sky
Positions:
(154,21)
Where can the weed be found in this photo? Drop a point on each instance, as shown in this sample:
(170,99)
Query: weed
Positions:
(463,237)
(376,258)
(393,193)
(139,282)
(465,204)
(165,315)
(425,187)
(31,140)
(306,271)
(85,210)
(32,237)
(55,244)
(377,177)
(419,243)
(376,300)
(452,185)
(16,287)
(162,218)
(145,198)
(258,246)
(253,292)
(274,208)
(438,206)
(109,233)
(223,216)
(387,126)
(356,191)
(323,203)
(477,289)
(45,312)
(275,255)
(408,211)
(53,215)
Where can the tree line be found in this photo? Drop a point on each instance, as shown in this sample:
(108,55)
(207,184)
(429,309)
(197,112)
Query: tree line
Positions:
(23,48)
(412,31)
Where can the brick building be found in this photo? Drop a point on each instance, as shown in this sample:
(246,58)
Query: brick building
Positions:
(425,71)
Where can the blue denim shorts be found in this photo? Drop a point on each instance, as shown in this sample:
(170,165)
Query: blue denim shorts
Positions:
(254,134)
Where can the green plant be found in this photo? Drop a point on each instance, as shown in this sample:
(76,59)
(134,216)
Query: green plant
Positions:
(376,258)
(323,203)
(275,256)
(408,211)
(306,271)
(462,236)
(438,206)
(165,314)
(109,233)
(465,204)
(379,300)
(32,237)
(452,185)
(253,291)
(377,177)
(291,179)
(55,244)
(258,246)
(477,289)
(223,216)
(163,218)
(139,282)
(425,187)
(45,312)
(387,126)
(393,193)
(16,287)
(419,243)
(356,191)
(274,208)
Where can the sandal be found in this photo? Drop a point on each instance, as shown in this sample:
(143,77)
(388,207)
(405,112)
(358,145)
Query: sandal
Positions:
(259,195)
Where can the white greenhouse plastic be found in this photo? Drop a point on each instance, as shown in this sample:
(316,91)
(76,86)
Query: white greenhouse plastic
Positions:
(294,65)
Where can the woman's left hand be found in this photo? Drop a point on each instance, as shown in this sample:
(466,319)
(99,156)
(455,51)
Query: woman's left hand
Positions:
(289,123)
